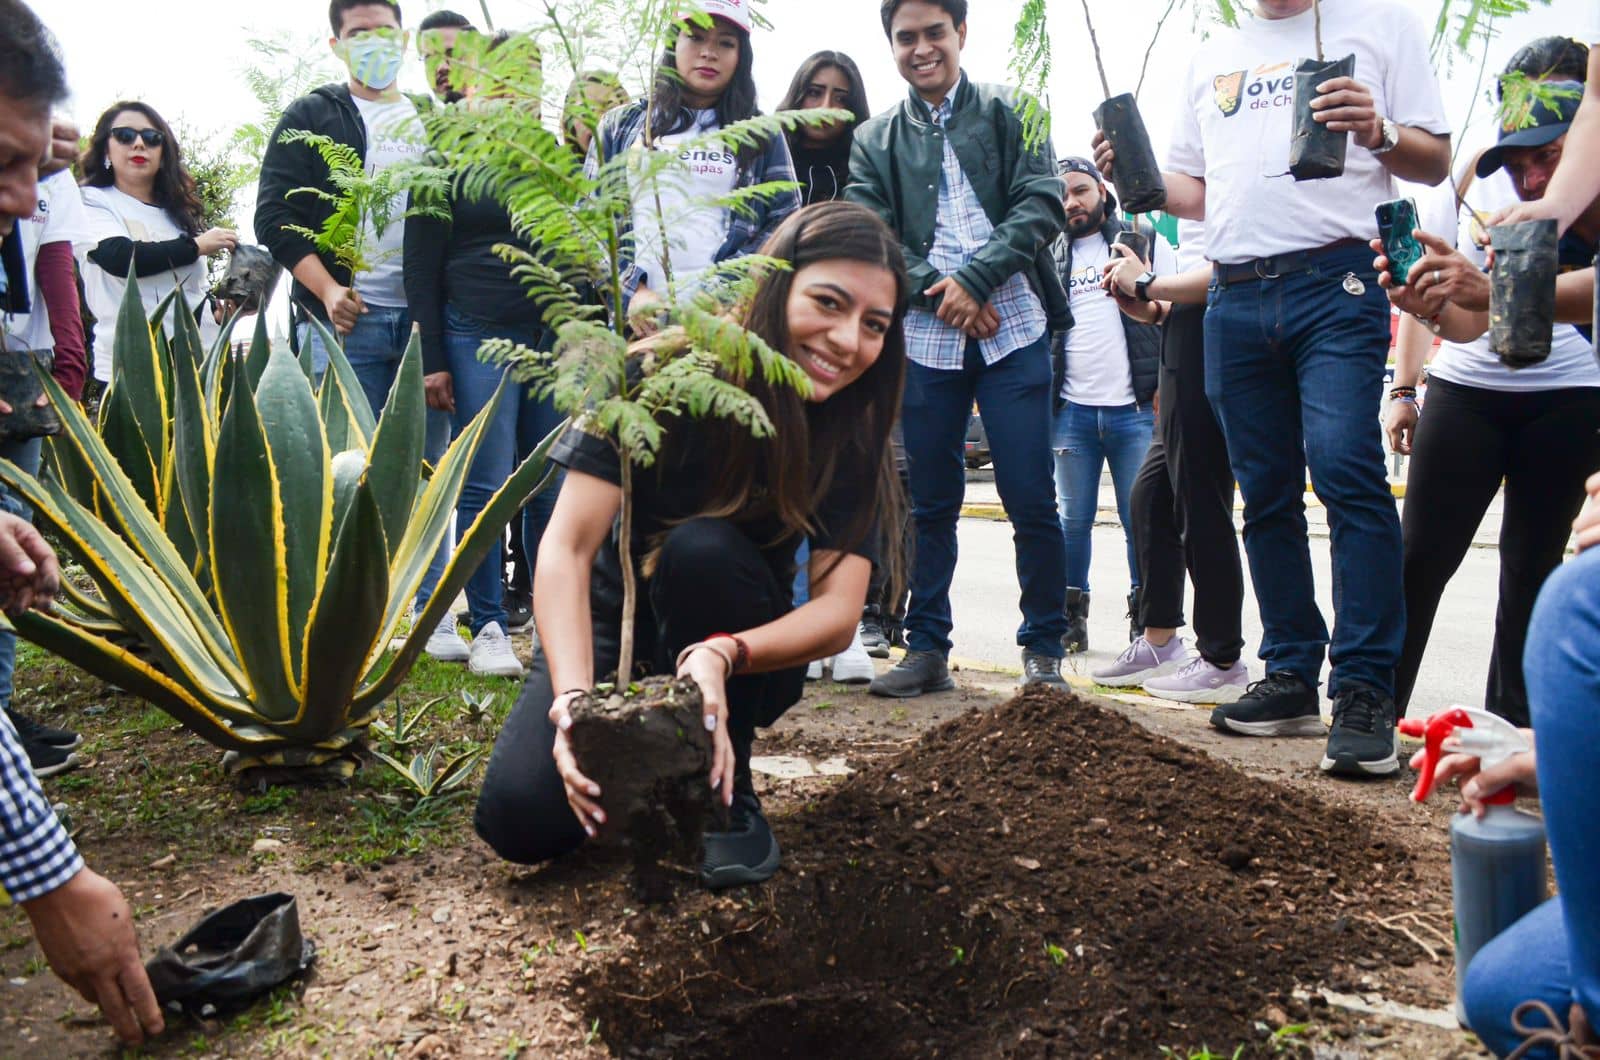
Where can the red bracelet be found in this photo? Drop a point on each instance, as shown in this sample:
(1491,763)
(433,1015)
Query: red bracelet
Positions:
(741,658)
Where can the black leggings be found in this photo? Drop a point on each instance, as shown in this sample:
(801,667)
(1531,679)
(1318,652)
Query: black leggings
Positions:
(1543,444)
(711,578)
(1183,503)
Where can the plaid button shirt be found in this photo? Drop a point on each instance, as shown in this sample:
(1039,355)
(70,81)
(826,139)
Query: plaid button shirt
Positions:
(959,233)
(36,855)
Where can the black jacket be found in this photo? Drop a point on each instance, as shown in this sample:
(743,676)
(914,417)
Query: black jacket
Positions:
(1144,340)
(895,167)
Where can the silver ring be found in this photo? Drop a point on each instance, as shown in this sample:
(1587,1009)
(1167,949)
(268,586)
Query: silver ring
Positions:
(1436,277)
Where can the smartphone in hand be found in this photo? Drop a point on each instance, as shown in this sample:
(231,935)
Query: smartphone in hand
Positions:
(1397,219)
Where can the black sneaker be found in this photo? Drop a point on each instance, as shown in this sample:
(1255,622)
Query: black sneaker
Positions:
(1076,639)
(746,853)
(1135,627)
(1040,669)
(1362,742)
(1279,704)
(873,638)
(519,612)
(917,673)
(47,761)
(32,730)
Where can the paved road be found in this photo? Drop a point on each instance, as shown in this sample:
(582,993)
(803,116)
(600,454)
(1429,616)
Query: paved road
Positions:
(984,600)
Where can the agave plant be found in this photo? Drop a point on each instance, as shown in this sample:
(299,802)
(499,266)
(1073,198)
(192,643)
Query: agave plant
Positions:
(254,539)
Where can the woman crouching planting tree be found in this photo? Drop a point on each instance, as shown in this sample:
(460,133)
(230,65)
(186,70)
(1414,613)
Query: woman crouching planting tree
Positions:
(716,520)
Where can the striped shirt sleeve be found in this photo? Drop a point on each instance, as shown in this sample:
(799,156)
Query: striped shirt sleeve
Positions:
(36,854)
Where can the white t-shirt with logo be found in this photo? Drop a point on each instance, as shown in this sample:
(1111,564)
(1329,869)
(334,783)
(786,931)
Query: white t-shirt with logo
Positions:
(1571,361)
(59,219)
(696,227)
(394,135)
(1098,372)
(112,214)
(1191,251)
(1235,119)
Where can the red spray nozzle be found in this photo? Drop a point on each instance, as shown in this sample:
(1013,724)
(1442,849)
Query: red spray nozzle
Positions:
(1498,739)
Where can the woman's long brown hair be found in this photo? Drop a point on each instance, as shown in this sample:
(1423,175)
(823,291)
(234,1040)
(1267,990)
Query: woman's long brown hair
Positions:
(174,188)
(814,443)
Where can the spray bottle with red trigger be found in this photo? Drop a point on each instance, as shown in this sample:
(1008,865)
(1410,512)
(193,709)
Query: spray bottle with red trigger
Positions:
(1497,861)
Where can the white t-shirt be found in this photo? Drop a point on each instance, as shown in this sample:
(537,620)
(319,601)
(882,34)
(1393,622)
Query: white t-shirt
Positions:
(1191,251)
(1235,119)
(59,219)
(394,135)
(695,226)
(112,214)
(1098,372)
(1571,361)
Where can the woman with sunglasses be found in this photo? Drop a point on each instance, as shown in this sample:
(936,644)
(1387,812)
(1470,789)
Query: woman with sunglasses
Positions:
(144,215)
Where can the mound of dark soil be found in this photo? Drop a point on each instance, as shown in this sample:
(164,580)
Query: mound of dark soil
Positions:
(1043,879)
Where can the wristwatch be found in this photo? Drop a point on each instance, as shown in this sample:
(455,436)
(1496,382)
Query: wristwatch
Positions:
(1141,286)
(1391,138)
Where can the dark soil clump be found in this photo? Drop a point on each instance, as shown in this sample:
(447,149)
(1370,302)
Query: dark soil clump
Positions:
(651,756)
(1043,879)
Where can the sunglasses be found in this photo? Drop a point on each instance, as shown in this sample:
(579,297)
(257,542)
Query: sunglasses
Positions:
(126,136)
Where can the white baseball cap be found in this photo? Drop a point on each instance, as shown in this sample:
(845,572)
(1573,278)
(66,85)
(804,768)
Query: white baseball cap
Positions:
(735,11)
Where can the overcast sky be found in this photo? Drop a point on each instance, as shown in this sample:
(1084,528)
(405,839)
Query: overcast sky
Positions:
(186,57)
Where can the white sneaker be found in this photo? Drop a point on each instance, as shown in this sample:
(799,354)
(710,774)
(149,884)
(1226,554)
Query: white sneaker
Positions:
(853,666)
(491,653)
(445,643)
(814,670)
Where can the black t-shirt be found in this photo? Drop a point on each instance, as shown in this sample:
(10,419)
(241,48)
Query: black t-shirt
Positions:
(674,488)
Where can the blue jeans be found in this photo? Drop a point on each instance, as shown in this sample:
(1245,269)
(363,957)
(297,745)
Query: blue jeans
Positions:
(1085,439)
(517,429)
(1013,396)
(1553,953)
(1294,369)
(25,455)
(374,348)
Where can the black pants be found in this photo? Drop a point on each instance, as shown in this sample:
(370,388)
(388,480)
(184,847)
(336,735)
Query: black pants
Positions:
(1183,503)
(887,596)
(710,578)
(1543,444)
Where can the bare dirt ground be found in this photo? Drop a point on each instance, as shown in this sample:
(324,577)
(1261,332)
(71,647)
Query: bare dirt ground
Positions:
(964,876)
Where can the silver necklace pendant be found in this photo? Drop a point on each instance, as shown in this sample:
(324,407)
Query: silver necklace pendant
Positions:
(1353,285)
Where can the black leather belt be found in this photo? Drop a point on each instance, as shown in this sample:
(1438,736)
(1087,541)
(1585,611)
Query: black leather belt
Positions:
(1280,264)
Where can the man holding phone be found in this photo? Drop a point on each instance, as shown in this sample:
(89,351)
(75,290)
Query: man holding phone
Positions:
(1297,335)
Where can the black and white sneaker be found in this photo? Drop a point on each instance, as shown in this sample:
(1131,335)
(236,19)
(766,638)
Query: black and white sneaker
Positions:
(1362,742)
(47,761)
(519,612)
(32,730)
(746,853)
(1279,704)
(873,638)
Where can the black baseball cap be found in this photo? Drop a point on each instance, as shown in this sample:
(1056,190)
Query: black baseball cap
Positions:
(1551,119)
(1079,165)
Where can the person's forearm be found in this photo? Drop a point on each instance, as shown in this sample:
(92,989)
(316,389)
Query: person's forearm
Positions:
(1575,297)
(1187,288)
(1462,325)
(1420,156)
(315,277)
(561,611)
(1186,196)
(58,290)
(1576,181)
(818,628)
(1413,339)
(119,253)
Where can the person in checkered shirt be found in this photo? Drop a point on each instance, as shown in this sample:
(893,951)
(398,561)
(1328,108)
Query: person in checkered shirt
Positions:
(82,923)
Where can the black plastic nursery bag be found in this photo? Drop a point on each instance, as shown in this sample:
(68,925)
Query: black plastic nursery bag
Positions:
(1135,173)
(1315,152)
(234,955)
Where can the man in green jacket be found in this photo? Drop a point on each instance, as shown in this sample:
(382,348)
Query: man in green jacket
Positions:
(976,210)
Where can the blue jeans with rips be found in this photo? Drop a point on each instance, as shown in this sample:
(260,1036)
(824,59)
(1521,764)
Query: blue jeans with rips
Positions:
(374,349)
(1294,369)
(520,424)
(1086,438)
(1553,953)
(1013,396)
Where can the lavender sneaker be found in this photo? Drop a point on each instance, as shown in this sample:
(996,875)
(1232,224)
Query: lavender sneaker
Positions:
(1201,682)
(1142,661)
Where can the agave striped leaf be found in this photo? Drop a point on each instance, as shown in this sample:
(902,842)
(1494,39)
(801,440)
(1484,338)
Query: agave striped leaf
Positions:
(300,461)
(348,469)
(142,600)
(123,508)
(186,340)
(346,618)
(355,400)
(125,439)
(115,664)
(193,449)
(534,474)
(248,561)
(137,378)
(397,446)
(91,606)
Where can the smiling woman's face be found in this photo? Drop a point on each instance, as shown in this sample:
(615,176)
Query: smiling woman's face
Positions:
(137,162)
(707,59)
(839,314)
